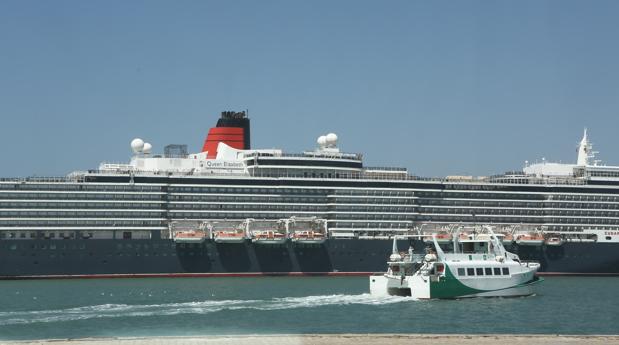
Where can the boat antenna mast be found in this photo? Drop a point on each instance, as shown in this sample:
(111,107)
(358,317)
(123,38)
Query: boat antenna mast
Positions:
(586,155)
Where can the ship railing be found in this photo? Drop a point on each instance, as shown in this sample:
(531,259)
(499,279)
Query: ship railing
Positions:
(45,179)
(125,172)
(381,173)
(372,175)
(349,156)
(390,169)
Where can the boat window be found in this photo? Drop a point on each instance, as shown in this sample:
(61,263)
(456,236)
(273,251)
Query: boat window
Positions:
(480,271)
(460,271)
(506,271)
(470,271)
(497,271)
(488,271)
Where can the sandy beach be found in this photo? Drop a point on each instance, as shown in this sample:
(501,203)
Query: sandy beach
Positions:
(337,339)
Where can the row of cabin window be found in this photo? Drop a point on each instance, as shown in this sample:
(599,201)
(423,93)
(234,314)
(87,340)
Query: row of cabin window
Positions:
(481,271)
(103,187)
(82,196)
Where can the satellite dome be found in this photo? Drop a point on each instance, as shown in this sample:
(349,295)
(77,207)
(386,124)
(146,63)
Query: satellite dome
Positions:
(137,145)
(322,140)
(331,139)
(147,148)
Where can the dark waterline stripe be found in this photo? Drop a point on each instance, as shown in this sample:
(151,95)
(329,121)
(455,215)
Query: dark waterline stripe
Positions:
(252,274)
(190,275)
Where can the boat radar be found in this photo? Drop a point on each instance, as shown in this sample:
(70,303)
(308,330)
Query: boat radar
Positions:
(147,148)
(328,143)
(139,146)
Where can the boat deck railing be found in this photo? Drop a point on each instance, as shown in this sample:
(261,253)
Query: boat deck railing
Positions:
(44,179)
(391,170)
(328,155)
(389,174)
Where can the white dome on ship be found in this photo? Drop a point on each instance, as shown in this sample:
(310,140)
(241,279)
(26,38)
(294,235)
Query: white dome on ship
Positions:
(147,148)
(331,139)
(137,145)
(322,140)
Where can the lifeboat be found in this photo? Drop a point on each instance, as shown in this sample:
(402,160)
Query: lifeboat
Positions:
(441,238)
(554,241)
(508,239)
(228,236)
(189,236)
(311,237)
(530,240)
(268,237)
(464,236)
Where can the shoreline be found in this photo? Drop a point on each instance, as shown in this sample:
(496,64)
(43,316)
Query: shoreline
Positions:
(336,339)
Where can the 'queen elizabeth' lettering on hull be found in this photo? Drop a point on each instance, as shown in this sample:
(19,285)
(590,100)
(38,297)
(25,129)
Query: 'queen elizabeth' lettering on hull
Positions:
(224,165)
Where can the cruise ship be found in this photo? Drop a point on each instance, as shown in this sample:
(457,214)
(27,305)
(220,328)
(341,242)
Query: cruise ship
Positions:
(233,210)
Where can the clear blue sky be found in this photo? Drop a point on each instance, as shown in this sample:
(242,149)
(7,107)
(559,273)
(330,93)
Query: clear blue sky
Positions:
(439,87)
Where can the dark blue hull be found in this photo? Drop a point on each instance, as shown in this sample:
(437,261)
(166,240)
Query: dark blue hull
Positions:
(90,257)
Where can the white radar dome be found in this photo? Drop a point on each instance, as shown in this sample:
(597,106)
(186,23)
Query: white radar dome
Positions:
(322,140)
(147,148)
(137,145)
(331,139)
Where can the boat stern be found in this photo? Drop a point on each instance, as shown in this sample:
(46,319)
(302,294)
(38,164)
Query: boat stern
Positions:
(379,286)
(414,286)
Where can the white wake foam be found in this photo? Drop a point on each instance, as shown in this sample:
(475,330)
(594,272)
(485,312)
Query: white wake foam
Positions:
(198,307)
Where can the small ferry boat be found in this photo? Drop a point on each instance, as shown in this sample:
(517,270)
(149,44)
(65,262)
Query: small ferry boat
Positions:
(478,267)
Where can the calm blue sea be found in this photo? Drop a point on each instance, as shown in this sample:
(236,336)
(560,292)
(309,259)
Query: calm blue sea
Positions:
(207,306)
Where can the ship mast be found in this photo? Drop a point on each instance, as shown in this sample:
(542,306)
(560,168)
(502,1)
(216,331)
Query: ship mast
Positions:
(585,151)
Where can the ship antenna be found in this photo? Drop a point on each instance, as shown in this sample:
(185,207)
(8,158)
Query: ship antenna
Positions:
(585,151)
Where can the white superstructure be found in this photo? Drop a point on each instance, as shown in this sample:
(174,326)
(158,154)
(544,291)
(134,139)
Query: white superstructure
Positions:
(586,166)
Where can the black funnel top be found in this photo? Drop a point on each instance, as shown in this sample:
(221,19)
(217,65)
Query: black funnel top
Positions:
(236,119)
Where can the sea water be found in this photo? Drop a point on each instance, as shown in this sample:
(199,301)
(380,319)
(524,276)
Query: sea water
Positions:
(39,309)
